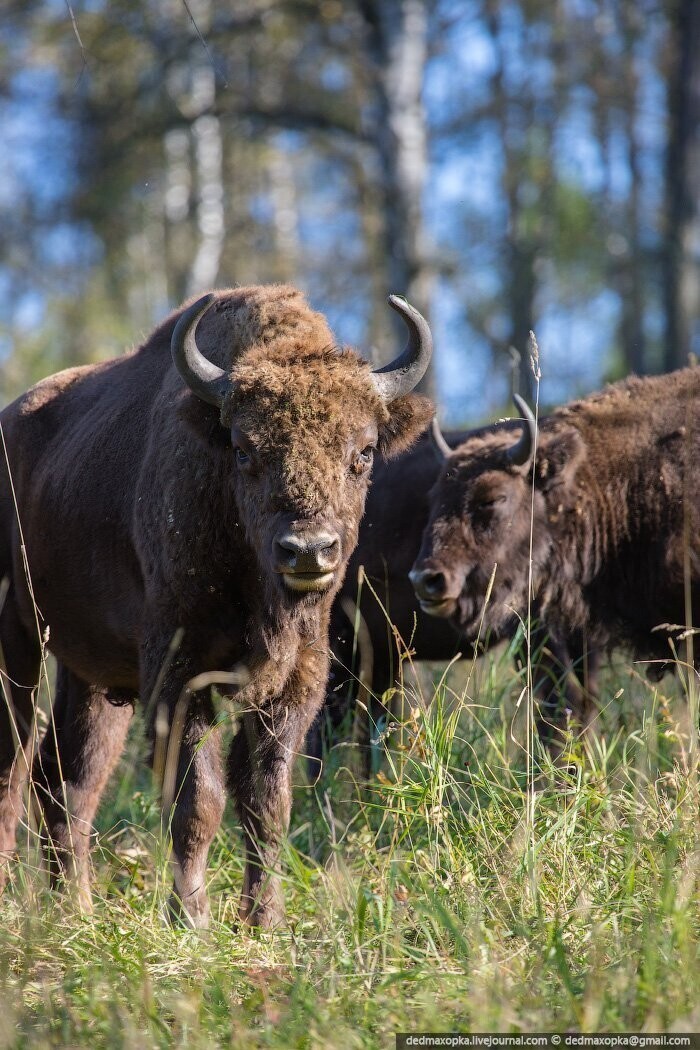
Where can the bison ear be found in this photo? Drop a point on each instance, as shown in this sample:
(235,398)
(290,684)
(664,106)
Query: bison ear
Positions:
(558,457)
(408,418)
(204,420)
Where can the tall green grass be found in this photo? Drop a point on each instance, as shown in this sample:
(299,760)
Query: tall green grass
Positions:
(471,885)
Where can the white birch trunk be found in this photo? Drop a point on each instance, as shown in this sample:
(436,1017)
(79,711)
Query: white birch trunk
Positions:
(398,39)
(208,153)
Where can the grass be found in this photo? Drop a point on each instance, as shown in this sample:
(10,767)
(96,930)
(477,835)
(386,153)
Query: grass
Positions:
(448,895)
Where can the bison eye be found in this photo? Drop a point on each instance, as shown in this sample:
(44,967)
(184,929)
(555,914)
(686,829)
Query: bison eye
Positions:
(242,457)
(490,502)
(362,461)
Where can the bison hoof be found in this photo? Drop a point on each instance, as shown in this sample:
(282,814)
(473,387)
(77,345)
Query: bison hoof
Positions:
(263,915)
(193,914)
(81,893)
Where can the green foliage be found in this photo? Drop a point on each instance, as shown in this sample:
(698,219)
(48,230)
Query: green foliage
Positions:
(153,151)
(74,332)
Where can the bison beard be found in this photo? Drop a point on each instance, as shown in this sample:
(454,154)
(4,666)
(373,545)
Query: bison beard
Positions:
(175,530)
(609,482)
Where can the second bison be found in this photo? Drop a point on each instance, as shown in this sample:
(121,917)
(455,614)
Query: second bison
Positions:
(594,516)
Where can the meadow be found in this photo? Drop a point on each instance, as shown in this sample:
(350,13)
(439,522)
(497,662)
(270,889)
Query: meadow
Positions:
(505,165)
(470,886)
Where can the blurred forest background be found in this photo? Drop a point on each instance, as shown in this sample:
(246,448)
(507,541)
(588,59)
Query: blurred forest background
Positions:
(506,164)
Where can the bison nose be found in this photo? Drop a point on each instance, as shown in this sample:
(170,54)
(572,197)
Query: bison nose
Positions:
(307,552)
(429,586)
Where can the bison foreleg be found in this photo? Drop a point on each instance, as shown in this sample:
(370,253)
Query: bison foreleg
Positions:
(80,750)
(194,803)
(260,776)
(187,765)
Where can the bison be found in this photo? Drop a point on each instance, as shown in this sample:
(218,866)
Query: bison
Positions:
(166,517)
(397,510)
(594,515)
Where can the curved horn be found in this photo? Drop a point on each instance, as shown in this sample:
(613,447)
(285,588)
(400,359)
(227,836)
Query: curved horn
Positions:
(440,446)
(521,452)
(404,373)
(204,379)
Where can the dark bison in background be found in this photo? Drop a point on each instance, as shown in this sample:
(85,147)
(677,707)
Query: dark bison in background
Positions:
(177,528)
(397,511)
(609,486)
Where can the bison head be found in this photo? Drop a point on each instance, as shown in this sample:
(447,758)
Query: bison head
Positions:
(490,512)
(301,420)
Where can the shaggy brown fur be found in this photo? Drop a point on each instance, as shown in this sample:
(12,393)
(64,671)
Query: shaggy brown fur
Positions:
(616,511)
(151,523)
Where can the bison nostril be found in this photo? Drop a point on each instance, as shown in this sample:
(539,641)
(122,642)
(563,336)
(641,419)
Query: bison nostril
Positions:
(429,585)
(315,552)
(434,584)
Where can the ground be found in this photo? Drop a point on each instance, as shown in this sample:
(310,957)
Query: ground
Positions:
(448,895)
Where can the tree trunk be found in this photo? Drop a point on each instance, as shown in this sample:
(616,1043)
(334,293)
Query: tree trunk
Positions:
(208,149)
(523,285)
(521,245)
(397,41)
(682,247)
(632,265)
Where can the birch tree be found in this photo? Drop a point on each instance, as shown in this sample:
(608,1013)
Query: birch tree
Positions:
(397,47)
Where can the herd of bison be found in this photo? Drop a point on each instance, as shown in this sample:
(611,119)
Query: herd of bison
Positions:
(198,512)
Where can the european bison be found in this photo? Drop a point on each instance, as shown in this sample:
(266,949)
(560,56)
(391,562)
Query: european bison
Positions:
(183,511)
(603,496)
(390,536)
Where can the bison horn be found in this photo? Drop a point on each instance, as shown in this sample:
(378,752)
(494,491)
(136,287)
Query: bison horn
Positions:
(440,446)
(204,379)
(521,453)
(404,373)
